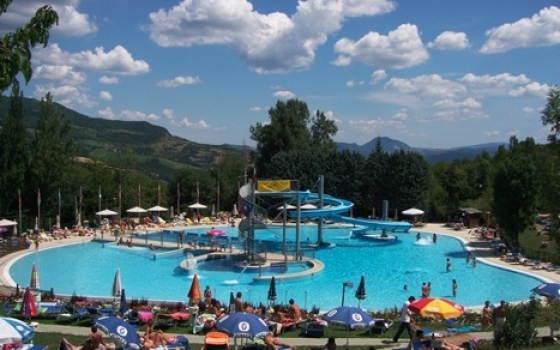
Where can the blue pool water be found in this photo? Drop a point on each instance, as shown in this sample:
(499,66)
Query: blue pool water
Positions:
(88,268)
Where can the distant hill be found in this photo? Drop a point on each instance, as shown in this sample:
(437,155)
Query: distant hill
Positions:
(432,155)
(155,150)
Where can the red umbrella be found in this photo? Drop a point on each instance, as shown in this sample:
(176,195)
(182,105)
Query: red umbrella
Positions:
(437,307)
(194,293)
(28,307)
(216,232)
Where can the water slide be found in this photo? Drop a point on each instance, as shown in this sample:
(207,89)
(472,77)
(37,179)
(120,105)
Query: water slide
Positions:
(333,208)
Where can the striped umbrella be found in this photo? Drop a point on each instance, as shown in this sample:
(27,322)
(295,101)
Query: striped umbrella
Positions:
(34,284)
(194,293)
(28,306)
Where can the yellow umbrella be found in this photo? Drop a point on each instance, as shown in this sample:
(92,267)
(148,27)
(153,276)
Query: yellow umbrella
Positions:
(437,307)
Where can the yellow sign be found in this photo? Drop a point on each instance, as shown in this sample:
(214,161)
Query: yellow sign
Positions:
(273,185)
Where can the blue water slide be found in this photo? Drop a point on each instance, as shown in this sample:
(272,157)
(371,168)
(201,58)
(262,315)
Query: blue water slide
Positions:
(336,206)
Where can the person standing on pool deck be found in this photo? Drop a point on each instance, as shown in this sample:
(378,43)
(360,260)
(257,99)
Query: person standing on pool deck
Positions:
(405,320)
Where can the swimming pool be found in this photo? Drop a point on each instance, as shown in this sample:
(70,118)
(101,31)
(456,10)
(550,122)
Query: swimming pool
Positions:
(87,269)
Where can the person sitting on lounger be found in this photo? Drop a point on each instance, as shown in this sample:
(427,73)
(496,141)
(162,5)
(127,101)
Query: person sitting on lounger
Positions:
(274,343)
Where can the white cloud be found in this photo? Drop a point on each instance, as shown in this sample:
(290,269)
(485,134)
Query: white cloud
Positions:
(67,95)
(400,115)
(450,41)
(532,89)
(185,122)
(469,102)
(71,22)
(426,85)
(108,80)
(372,126)
(62,74)
(178,81)
(503,79)
(542,29)
(377,76)
(350,83)
(528,109)
(106,95)
(168,113)
(106,113)
(115,61)
(128,114)
(401,48)
(270,42)
(492,133)
(255,109)
(284,94)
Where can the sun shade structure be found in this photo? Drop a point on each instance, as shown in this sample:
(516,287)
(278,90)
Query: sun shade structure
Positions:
(157,208)
(548,290)
(413,212)
(136,210)
(197,206)
(5,222)
(117,285)
(34,283)
(106,212)
(14,331)
(437,307)
(194,292)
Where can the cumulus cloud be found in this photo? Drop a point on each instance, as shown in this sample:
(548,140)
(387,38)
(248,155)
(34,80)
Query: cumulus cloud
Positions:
(273,42)
(377,76)
(450,41)
(67,95)
(284,94)
(469,102)
(106,113)
(116,61)
(185,122)
(503,79)
(426,85)
(400,115)
(401,48)
(71,22)
(128,114)
(255,109)
(372,126)
(528,109)
(108,80)
(168,113)
(178,81)
(106,95)
(542,29)
(492,133)
(532,89)
(62,74)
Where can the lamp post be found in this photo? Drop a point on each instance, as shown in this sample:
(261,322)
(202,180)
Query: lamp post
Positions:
(344,286)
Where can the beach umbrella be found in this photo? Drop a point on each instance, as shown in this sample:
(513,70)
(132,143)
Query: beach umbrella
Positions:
(308,206)
(106,212)
(3,229)
(241,324)
(124,306)
(194,292)
(34,283)
(197,206)
(5,222)
(36,228)
(288,207)
(361,291)
(14,331)
(272,290)
(235,211)
(548,290)
(413,212)
(117,328)
(117,285)
(213,211)
(436,307)
(28,306)
(136,210)
(157,208)
(216,232)
(58,221)
(350,317)
(231,306)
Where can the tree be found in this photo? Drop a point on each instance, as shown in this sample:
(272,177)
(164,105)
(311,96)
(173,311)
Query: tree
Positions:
(550,115)
(288,131)
(52,151)
(14,160)
(15,47)
(515,189)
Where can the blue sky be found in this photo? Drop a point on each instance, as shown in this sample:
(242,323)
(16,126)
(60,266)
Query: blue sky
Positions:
(431,73)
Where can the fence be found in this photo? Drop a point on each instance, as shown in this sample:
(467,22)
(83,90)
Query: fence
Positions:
(12,244)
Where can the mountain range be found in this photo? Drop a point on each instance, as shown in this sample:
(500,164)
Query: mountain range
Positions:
(157,152)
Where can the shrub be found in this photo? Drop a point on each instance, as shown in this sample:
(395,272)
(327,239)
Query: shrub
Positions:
(518,329)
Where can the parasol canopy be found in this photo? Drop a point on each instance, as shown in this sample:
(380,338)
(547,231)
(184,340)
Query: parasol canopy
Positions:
(288,207)
(308,206)
(136,210)
(194,292)
(120,330)
(106,212)
(437,307)
(241,324)
(413,212)
(117,285)
(14,331)
(548,290)
(216,232)
(28,306)
(157,208)
(5,222)
(34,283)
(197,206)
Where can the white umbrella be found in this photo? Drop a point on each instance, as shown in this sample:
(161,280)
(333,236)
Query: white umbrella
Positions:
(197,206)
(5,222)
(136,210)
(213,213)
(106,212)
(14,331)
(413,212)
(289,207)
(57,221)
(36,224)
(235,212)
(157,208)
(117,286)
(308,206)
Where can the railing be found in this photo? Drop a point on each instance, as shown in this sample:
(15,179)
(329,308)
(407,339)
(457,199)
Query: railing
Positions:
(12,244)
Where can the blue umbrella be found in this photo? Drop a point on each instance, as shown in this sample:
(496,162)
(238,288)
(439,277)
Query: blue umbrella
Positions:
(548,290)
(124,306)
(348,316)
(14,331)
(240,324)
(120,330)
